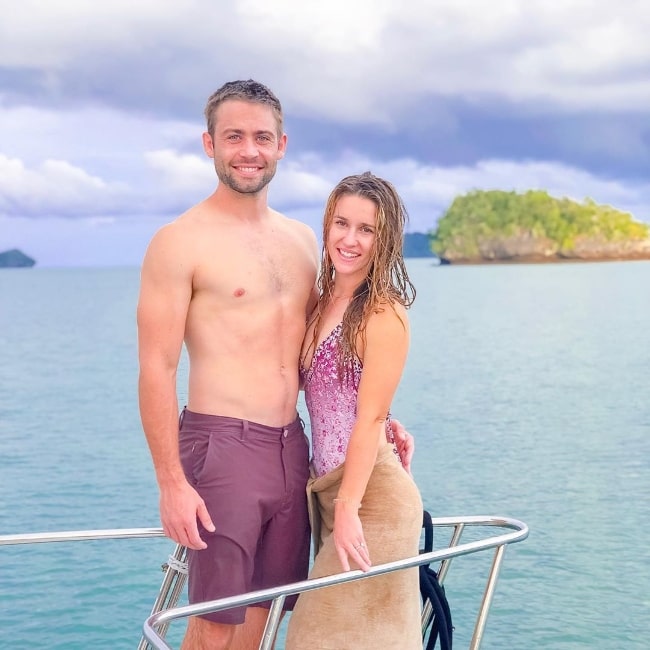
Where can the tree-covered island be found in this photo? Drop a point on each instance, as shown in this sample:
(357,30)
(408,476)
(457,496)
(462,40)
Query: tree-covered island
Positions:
(496,226)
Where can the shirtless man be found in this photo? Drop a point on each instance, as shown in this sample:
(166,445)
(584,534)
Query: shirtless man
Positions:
(235,280)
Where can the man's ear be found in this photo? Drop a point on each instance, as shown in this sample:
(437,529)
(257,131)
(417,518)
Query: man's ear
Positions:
(208,145)
(282,146)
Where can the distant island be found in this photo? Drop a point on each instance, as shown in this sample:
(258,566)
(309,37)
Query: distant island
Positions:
(495,226)
(417,244)
(15,259)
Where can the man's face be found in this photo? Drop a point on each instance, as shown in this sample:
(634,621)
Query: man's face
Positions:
(245,145)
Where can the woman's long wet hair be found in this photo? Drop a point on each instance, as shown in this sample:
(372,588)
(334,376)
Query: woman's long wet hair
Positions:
(387,281)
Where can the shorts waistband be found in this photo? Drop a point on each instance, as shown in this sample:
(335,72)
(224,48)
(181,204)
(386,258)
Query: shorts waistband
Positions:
(209,422)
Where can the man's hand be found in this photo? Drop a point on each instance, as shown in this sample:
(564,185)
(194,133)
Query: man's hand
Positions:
(404,442)
(180,507)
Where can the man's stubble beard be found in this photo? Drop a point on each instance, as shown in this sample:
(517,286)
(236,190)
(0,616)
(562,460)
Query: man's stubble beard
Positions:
(245,187)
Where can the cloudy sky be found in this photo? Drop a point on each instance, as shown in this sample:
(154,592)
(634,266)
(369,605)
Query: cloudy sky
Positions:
(101,107)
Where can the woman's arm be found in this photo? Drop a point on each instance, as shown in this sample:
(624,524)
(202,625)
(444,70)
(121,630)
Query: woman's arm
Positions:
(384,356)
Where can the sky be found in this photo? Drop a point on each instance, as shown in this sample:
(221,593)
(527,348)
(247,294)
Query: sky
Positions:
(101,107)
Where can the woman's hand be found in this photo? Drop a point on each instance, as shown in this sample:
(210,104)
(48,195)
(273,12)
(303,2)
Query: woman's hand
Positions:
(404,442)
(349,541)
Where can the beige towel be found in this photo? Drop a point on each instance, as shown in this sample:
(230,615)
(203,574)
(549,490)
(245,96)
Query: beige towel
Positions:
(376,613)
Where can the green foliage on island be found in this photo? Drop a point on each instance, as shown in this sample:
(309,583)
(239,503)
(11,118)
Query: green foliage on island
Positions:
(480,224)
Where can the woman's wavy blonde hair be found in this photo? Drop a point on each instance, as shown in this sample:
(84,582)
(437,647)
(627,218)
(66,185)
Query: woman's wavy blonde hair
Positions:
(387,281)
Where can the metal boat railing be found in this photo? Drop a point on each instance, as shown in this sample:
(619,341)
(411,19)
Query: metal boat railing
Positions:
(80,535)
(164,610)
(174,569)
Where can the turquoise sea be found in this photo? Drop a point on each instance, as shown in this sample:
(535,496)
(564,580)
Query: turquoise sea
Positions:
(527,389)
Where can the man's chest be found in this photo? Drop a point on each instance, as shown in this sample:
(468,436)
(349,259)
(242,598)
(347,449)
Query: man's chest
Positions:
(255,269)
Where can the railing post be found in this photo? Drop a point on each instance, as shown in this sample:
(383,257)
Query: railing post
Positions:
(486,603)
(272,624)
(170,590)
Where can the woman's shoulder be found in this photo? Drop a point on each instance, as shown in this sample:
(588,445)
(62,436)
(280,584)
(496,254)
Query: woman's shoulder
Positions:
(389,308)
(388,317)
(387,334)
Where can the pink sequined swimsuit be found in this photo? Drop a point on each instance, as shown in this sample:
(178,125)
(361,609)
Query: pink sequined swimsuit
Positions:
(331,399)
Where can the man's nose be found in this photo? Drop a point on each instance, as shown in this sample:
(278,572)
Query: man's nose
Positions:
(249,148)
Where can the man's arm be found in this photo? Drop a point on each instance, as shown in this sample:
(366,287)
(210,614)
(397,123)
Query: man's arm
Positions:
(165,294)
(404,442)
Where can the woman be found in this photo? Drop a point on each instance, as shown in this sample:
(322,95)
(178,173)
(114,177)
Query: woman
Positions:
(365,506)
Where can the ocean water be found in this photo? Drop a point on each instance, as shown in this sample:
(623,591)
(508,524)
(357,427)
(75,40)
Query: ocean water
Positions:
(527,389)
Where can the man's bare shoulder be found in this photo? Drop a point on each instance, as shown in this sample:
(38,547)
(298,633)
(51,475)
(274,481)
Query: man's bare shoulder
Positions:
(300,229)
(296,225)
(173,244)
(183,229)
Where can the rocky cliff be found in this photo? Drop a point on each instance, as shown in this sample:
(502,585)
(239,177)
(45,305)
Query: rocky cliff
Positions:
(524,246)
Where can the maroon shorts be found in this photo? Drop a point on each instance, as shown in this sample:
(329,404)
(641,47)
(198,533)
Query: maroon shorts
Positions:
(252,478)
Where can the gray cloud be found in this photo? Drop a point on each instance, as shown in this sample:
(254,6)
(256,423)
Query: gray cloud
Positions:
(340,61)
(101,104)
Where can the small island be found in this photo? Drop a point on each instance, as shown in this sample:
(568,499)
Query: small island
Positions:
(417,244)
(15,259)
(500,227)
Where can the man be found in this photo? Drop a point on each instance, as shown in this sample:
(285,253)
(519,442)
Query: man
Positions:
(235,281)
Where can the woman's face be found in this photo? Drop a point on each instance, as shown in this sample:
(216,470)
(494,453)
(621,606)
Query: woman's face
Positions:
(351,236)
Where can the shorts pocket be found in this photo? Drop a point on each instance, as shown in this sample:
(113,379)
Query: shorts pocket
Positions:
(194,447)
